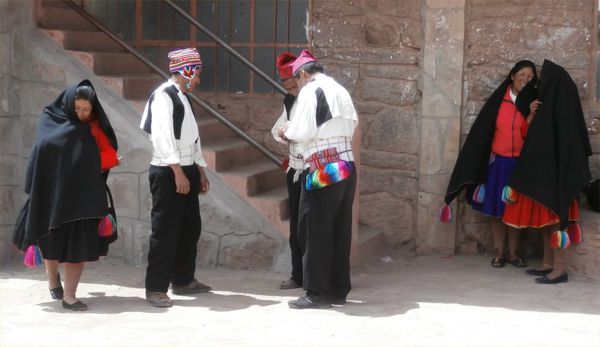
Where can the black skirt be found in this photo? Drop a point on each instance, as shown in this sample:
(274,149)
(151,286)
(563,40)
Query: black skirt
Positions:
(75,242)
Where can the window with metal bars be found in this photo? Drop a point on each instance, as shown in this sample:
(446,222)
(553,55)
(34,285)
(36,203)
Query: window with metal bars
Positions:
(257,29)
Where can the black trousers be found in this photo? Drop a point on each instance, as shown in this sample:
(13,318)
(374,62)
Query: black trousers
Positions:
(176,227)
(294,190)
(325,232)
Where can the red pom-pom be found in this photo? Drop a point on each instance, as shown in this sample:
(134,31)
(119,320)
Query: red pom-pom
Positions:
(105,227)
(446,214)
(285,164)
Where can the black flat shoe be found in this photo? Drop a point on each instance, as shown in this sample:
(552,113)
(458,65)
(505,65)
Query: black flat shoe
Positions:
(518,262)
(498,262)
(307,302)
(560,279)
(536,272)
(76,306)
(58,292)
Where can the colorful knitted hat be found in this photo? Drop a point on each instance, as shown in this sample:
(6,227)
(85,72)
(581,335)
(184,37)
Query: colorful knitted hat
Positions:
(185,61)
(304,58)
(284,63)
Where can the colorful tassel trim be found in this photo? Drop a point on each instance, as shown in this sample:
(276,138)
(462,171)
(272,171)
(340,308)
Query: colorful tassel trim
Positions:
(560,239)
(33,257)
(479,194)
(107,226)
(446,214)
(574,232)
(509,196)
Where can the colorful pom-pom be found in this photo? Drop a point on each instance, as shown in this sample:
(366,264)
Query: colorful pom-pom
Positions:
(446,214)
(479,194)
(33,257)
(574,232)
(105,226)
(560,239)
(509,196)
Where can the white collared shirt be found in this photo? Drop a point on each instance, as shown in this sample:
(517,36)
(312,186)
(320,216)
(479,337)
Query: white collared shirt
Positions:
(167,149)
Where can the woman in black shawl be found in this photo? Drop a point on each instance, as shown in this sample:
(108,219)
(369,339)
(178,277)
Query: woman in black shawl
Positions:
(489,155)
(66,211)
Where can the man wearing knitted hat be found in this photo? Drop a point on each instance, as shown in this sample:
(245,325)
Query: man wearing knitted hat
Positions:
(295,165)
(324,120)
(176,178)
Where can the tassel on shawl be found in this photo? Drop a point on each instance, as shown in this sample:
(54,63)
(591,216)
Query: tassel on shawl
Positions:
(509,196)
(33,257)
(446,214)
(479,193)
(560,239)
(574,233)
(107,226)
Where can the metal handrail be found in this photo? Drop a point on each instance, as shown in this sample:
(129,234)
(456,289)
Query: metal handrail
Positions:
(224,44)
(199,101)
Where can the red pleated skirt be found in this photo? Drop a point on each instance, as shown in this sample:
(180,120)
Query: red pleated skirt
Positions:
(528,213)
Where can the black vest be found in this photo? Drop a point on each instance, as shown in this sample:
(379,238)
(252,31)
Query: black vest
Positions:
(178,111)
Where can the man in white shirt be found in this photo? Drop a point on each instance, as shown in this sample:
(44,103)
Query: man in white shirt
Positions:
(295,166)
(323,120)
(176,178)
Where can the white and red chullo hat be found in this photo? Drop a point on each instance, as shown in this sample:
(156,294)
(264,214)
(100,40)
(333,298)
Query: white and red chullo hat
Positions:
(284,62)
(185,61)
(305,57)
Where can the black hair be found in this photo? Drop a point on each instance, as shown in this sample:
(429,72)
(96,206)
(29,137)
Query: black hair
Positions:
(521,65)
(85,93)
(310,67)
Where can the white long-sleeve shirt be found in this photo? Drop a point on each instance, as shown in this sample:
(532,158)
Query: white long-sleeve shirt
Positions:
(168,150)
(296,149)
(338,125)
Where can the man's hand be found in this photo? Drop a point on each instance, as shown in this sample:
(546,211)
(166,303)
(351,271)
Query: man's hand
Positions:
(204,184)
(281,132)
(182,184)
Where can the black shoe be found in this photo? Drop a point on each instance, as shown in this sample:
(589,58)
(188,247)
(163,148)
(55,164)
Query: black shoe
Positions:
(289,284)
(518,262)
(58,292)
(307,302)
(498,262)
(337,301)
(536,272)
(560,279)
(76,306)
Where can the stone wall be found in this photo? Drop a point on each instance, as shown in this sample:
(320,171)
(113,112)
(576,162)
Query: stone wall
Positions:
(497,35)
(33,71)
(373,49)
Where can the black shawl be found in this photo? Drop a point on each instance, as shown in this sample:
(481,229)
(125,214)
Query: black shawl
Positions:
(472,162)
(553,166)
(63,180)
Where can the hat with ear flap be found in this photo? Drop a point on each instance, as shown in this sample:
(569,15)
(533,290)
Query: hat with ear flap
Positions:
(284,63)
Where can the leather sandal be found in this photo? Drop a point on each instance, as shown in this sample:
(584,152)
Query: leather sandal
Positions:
(498,262)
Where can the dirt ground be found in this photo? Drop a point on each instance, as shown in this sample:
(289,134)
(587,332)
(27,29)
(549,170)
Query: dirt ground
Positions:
(423,301)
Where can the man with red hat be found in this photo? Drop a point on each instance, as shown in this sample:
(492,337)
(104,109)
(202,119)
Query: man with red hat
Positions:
(176,178)
(295,165)
(323,120)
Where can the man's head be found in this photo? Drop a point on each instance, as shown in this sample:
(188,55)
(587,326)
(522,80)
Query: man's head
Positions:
(284,63)
(185,66)
(304,67)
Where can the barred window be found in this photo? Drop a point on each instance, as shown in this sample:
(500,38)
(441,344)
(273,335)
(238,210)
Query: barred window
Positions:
(258,29)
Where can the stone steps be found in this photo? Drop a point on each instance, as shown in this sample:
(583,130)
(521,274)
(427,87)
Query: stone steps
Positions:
(240,166)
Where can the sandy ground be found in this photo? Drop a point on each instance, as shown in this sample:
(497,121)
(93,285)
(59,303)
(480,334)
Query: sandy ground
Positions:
(424,301)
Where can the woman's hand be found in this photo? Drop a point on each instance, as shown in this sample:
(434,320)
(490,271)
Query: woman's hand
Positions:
(533,108)
(182,184)
(204,184)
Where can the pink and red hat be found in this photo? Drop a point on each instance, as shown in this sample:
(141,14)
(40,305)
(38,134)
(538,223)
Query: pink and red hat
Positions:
(305,57)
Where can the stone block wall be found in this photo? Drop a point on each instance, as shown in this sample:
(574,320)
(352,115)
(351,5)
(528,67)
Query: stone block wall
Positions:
(33,71)
(373,49)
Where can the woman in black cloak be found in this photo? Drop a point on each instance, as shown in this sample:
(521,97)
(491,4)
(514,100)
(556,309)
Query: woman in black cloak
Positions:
(66,217)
